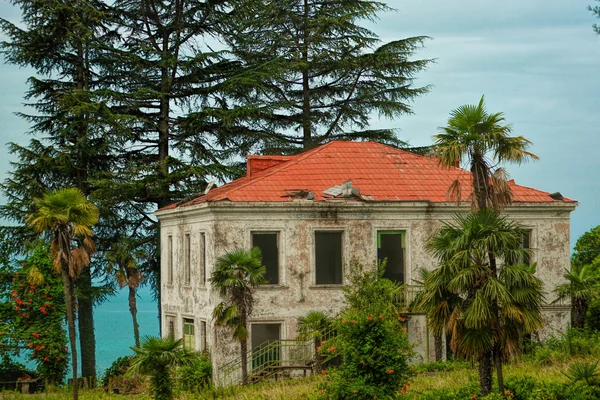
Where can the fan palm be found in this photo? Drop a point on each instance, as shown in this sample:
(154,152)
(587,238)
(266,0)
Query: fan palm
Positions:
(68,217)
(156,357)
(123,261)
(437,303)
(312,327)
(474,134)
(583,287)
(236,275)
(492,310)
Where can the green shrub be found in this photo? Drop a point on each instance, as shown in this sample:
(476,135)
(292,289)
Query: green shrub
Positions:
(371,341)
(197,376)
(117,368)
(592,320)
(521,386)
(587,372)
(438,366)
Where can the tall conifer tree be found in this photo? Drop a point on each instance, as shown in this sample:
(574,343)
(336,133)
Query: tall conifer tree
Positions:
(316,74)
(60,40)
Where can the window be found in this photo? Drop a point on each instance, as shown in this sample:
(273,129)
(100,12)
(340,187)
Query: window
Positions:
(202,259)
(203,336)
(526,244)
(268,243)
(189,339)
(188,259)
(328,258)
(170,260)
(390,246)
(170,326)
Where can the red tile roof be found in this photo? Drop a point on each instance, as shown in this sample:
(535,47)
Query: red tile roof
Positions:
(380,172)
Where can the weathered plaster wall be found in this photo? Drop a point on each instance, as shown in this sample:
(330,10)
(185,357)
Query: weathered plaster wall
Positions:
(229,225)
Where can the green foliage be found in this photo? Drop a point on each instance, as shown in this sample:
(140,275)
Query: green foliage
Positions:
(32,314)
(439,366)
(592,321)
(196,376)
(10,371)
(371,340)
(314,74)
(156,357)
(596,11)
(587,372)
(118,368)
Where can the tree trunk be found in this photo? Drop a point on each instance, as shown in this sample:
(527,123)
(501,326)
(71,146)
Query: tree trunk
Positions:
(87,337)
(498,366)
(244,357)
(438,347)
(579,310)
(70,308)
(485,373)
(306,122)
(318,364)
(480,180)
(133,311)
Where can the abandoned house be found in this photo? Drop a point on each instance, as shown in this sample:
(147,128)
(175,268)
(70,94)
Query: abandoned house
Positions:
(310,214)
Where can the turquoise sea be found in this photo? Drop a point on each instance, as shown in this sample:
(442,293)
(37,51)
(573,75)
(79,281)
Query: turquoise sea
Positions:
(114,327)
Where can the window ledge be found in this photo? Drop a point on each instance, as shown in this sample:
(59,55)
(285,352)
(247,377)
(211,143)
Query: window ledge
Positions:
(326,286)
(271,287)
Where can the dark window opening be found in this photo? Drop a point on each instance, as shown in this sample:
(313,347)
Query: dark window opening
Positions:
(203,339)
(202,259)
(171,327)
(170,260)
(328,258)
(188,260)
(525,244)
(390,247)
(266,349)
(268,243)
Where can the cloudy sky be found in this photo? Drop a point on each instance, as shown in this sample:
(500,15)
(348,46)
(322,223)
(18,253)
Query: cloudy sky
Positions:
(537,61)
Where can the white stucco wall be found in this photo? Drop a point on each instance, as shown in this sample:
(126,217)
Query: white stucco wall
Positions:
(228,226)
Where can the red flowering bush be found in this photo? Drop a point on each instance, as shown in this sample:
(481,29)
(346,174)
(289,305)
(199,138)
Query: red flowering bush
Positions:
(373,346)
(32,314)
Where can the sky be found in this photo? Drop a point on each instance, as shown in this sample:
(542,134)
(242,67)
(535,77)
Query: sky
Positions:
(535,60)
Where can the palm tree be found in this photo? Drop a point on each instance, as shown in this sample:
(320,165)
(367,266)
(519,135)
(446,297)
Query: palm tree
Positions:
(67,216)
(156,357)
(313,327)
(438,303)
(123,259)
(236,275)
(583,287)
(496,308)
(474,134)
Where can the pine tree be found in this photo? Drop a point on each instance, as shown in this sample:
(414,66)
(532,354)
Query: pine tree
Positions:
(60,41)
(314,74)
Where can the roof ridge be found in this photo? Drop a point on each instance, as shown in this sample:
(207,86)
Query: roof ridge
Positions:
(277,168)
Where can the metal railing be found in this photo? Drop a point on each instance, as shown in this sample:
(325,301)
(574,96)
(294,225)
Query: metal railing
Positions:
(270,358)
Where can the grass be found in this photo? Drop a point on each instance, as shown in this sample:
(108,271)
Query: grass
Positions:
(443,376)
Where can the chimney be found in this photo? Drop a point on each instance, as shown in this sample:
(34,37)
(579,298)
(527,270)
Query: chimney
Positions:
(256,164)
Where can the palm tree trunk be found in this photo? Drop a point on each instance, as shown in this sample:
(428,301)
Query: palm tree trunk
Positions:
(480,180)
(87,337)
(244,357)
(133,311)
(498,366)
(318,364)
(485,373)
(579,310)
(70,308)
(438,347)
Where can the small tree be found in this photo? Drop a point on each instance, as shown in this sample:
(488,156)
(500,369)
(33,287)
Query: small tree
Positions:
(156,357)
(67,216)
(371,340)
(582,288)
(313,327)
(236,275)
(496,308)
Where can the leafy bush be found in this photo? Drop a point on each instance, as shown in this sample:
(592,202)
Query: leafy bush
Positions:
(10,370)
(196,376)
(371,340)
(592,320)
(114,377)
